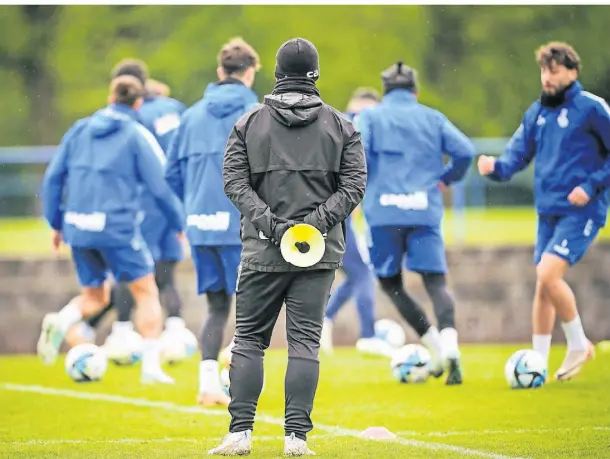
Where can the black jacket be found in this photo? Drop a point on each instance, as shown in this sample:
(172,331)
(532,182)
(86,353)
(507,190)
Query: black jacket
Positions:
(297,158)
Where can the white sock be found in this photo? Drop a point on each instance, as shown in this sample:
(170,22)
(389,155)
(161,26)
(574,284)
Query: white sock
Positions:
(209,376)
(151,361)
(449,341)
(174,324)
(542,344)
(122,327)
(69,315)
(432,340)
(575,335)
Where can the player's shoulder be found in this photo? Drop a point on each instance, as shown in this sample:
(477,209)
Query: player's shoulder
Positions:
(252,112)
(530,116)
(588,101)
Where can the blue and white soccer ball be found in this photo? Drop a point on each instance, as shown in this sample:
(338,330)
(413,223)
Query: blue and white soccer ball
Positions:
(391,332)
(225,382)
(411,364)
(177,345)
(86,363)
(526,369)
(124,349)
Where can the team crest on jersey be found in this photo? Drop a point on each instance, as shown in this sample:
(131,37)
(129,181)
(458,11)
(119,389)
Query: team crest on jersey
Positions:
(562,119)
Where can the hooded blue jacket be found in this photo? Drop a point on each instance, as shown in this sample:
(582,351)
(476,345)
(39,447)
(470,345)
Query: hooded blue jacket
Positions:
(571,143)
(194,169)
(161,116)
(404,142)
(91,187)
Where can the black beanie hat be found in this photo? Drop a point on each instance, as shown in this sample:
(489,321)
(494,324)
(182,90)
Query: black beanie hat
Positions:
(401,76)
(297,58)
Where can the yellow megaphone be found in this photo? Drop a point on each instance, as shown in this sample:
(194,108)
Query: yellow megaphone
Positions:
(302,245)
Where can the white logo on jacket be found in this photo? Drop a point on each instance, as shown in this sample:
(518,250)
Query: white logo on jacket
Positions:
(412,201)
(562,119)
(205,222)
(95,222)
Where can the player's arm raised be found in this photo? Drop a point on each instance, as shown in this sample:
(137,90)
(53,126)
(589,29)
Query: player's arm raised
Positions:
(150,161)
(519,153)
(352,184)
(461,150)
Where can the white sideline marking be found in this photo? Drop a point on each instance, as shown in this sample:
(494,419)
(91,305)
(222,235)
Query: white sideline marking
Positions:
(455,433)
(120,441)
(334,430)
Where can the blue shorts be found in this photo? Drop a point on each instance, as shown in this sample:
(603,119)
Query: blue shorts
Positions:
(216,267)
(567,237)
(125,263)
(161,240)
(356,258)
(421,247)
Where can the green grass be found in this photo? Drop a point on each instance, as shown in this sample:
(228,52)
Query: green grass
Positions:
(560,420)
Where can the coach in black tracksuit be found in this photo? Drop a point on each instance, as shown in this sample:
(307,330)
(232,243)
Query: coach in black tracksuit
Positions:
(291,159)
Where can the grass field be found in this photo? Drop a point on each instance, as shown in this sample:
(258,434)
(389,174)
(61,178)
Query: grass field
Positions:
(46,415)
(30,237)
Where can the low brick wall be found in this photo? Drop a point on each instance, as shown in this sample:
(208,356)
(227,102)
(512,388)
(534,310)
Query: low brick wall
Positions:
(493,288)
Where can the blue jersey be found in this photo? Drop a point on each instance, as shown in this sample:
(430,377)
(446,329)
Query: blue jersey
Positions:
(570,144)
(194,169)
(161,116)
(404,142)
(92,184)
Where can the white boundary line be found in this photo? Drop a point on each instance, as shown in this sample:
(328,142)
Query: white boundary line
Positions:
(458,433)
(333,430)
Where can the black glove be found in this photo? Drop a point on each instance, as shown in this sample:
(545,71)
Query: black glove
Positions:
(279,229)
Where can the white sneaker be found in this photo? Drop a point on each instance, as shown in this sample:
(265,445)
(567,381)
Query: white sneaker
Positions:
(157,376)
(294,447)
(573,362)
(51,338)
(326,340)
(234,444)
(374,346)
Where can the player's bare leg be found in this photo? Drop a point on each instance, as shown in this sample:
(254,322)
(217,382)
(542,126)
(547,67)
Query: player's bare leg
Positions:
(56,325)
(149,322)
(543,320)
(550,273)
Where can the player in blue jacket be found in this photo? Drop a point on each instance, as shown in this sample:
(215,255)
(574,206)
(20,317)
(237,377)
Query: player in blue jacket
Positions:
(404,142)
(567,131)
(90,199)
(194,171)
(360,280)
(160,114)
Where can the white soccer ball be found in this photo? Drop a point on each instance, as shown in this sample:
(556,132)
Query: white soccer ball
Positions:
(224,362)
(177,345)
(525,369)
(124,348)
(225,382)
(391,332)
(86,363)
(411,364)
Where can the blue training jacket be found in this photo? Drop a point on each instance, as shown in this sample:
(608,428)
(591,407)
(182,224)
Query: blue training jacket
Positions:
(161,116)
(194,169)
(571,144)
(91,187)
(404,142)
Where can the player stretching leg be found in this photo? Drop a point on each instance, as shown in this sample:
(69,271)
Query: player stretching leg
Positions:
(194,171)
(360,280)
(568,132)
(404,143)
(90,199)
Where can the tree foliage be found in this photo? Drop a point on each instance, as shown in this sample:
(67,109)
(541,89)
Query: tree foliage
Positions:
(476,64)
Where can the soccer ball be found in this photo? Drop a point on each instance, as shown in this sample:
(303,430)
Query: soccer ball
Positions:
(525,369)
(225,383)
(391,332)
(177,345)
(411,364)
(224,359)
(86,362)
(124,349)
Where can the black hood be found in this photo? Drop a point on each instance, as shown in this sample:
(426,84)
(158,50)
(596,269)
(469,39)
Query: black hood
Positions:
(293,109)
